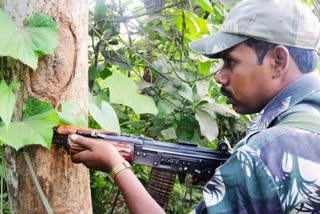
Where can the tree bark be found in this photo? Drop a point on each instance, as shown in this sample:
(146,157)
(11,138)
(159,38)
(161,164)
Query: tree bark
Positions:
(59,77)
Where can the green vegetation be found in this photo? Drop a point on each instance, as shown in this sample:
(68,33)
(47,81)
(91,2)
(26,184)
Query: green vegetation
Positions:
(141,64)
(143,79)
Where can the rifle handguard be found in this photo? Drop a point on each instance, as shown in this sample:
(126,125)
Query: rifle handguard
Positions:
(62,137)
(125,149)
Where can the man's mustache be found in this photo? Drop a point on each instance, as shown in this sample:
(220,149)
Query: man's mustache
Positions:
(225,92)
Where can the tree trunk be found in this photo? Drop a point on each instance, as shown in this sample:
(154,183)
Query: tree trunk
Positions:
(59,77)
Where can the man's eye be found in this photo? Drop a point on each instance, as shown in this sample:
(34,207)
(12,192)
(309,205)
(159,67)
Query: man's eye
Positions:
(229,63)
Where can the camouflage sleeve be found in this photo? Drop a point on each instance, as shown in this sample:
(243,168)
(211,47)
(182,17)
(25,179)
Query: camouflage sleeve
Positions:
(242,185)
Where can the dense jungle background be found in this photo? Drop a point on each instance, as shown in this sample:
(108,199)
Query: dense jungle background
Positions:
(145,80)
(147,41)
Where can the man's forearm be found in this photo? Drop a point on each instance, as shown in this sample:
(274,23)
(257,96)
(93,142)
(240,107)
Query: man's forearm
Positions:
(136,196)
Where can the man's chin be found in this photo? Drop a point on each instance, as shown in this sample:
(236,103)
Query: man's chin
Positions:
(237,107)
(243,110)
(230,101)
(240,109)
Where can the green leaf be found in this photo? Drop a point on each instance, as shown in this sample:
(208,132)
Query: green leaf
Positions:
(43,124)
(194,25)
(161,64)
(124,90)
(100,10)
(7,102)
(202,87)
(169,133)
(33,107)
(208,125)
(105,116)
(223,110)
(37,38)
(204,4)
(186,128)
(118,57)
(185,91)
(204,67)
(72,114)
(164,108)
(34,130)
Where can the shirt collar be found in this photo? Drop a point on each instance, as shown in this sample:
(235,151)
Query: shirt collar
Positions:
(286,98)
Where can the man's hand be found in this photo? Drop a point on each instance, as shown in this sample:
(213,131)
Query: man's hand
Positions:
(102,156)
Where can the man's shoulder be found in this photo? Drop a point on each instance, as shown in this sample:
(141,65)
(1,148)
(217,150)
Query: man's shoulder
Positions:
(282,136)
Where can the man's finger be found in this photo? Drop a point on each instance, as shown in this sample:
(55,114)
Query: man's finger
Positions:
(83,141)
(79,157)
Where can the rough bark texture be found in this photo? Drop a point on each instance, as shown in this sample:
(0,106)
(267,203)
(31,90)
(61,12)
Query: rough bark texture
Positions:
(59,77)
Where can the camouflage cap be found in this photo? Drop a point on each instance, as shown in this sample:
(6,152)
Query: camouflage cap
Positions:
(285,22)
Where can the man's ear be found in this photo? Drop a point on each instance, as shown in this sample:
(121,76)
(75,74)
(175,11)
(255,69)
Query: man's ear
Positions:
(281,60)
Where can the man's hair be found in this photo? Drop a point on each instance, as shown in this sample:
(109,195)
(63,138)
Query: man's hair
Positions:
(306,59)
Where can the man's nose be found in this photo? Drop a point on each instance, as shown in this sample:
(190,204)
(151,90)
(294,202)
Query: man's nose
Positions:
(222,77)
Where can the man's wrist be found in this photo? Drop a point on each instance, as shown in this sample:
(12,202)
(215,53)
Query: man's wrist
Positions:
(118,168)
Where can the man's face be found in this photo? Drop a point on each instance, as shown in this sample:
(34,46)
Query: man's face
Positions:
(246,84)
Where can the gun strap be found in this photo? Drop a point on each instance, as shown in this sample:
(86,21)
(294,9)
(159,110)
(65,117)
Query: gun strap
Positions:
(160,186)
(304,120)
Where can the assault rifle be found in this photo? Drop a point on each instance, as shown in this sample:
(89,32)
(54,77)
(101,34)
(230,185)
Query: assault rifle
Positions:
(166,159)
(183,158)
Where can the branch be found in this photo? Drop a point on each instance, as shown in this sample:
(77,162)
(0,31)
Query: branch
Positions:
(127,18)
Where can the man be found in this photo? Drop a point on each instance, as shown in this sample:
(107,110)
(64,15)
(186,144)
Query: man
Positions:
(269,49)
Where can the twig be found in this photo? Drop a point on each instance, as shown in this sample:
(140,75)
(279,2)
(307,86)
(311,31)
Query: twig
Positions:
(127,18)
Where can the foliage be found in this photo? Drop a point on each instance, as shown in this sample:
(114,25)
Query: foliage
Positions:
(7,101)
(36,126)
(124,91)
(36,129)
(72,114)
(156,56)
(143,79)
(28,43)
(145,43)
(102,112)
(37,38)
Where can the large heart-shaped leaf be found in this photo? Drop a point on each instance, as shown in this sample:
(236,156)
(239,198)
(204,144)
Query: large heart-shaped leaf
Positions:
(124,90)
(105,116)
(34,130)
(213,108)
(204,4)
(38,37)
(72,114)
(185,91)
(169,133)
(195,25)
(202,87)
(165,108)
(208,125)
(7,102)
